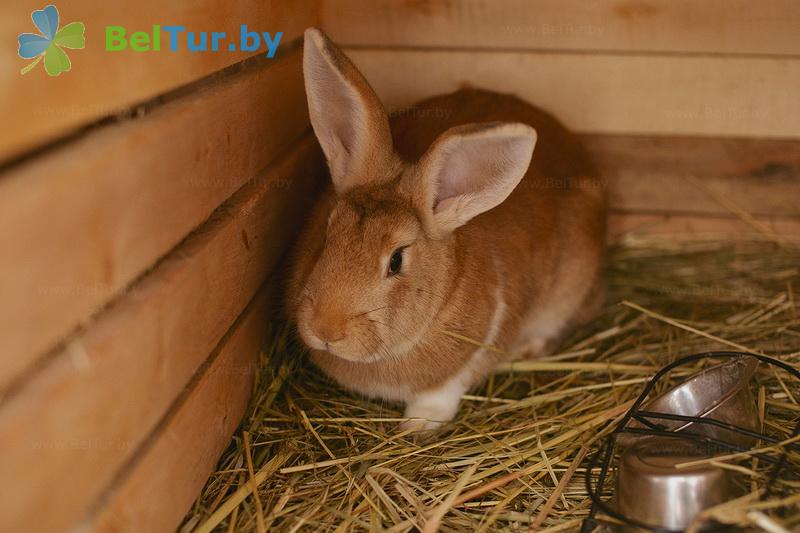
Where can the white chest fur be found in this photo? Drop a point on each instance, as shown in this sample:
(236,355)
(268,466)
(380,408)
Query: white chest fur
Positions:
(430,409)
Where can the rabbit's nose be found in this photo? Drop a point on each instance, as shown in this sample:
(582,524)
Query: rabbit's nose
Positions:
(329,326)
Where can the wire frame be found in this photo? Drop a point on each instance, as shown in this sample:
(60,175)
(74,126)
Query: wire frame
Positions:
(605,455)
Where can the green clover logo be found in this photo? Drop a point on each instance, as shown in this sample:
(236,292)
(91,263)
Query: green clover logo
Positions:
(51,43)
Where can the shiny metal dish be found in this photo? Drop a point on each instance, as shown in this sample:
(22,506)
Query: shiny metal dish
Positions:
(653,490)
(720,392)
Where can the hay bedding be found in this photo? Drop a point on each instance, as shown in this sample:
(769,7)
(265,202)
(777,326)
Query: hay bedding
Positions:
(324,460)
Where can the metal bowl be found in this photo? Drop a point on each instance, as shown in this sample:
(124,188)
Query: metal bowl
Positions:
(720,392)
(653,491)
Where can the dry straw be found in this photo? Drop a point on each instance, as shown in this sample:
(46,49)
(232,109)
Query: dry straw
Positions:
(310,457)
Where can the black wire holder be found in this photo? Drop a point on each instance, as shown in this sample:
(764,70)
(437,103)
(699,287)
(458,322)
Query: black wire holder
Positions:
(605,454)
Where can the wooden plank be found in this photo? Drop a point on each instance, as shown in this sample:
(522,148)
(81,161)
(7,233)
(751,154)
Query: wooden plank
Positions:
(80,417)
(77,225)
(166,478)
(103,83)
(710,26)
(604,93)
(677,227)
(647,173)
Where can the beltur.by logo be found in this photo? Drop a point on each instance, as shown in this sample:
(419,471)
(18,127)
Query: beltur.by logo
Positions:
(49,46)
(178,38)
(51,43)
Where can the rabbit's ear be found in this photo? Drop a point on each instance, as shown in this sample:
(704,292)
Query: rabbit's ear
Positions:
(471,169)
(347,117)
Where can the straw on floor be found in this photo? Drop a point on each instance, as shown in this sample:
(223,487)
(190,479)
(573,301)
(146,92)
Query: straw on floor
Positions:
(310,457)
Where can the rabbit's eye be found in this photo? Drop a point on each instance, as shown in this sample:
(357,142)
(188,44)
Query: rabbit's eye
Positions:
(395,262)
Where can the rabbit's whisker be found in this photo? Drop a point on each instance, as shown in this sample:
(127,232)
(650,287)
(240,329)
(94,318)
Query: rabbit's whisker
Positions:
(370,311)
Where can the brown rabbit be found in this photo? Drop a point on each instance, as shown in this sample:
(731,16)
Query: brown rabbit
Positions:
(450,229)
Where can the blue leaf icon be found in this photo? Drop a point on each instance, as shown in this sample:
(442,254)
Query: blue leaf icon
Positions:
(47,21)
(31,45)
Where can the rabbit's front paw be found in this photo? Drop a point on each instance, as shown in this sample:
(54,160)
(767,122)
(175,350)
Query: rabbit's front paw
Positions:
(430,410)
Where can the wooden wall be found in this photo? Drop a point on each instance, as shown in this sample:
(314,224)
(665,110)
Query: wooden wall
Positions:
(104,84)
(667,67)
(145,202)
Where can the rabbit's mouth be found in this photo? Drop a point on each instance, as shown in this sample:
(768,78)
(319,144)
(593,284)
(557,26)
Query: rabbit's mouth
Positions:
(355,347)
(360,337)
(363,347)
